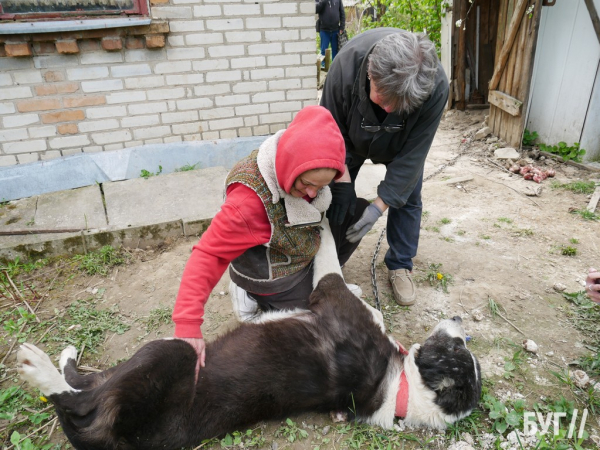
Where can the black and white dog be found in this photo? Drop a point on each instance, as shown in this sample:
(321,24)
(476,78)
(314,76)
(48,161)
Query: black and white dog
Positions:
(333,357)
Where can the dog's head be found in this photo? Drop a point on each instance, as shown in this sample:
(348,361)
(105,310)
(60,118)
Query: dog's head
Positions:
(443,372)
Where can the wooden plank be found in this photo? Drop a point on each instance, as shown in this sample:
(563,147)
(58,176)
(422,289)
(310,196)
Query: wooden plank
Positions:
(515,22)
(594,16)
(521,58)
(591,207)
(505,102)
(461,58)
(501,35)
(523,92)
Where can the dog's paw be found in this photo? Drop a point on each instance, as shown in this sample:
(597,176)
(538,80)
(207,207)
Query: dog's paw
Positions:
(35,367)
(68,353)
(338,416)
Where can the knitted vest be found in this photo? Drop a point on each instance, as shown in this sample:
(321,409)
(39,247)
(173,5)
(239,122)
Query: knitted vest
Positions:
(290,249)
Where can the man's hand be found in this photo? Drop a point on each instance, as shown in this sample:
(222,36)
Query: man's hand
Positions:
(357,231)
(592,285)
(200,347)
(343,202)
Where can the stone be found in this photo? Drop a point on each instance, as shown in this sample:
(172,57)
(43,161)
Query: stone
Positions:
(506,153)
(483,133)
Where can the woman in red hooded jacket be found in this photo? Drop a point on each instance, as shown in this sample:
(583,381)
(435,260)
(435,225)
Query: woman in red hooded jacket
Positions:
(267,230)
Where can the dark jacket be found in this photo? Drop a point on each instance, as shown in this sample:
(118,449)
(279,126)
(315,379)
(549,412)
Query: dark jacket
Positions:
(345,95)
(331,13)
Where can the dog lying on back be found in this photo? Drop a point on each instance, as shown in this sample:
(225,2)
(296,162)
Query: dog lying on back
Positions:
(335,356)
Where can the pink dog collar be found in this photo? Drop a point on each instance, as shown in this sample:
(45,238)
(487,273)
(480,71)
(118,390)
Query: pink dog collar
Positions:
(402,396)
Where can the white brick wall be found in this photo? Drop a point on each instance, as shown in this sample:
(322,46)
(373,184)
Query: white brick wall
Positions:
(229,68)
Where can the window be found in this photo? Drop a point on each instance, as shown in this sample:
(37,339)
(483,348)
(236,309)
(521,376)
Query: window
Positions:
(58,9)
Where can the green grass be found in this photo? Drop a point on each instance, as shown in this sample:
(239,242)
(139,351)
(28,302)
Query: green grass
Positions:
(23,411)
(567,250)
(521,232)
(445,221)
(436,277)
(147,174)
(82,325)
(505,220)
(100,261)
(188,167)
(587,215)
(578,187)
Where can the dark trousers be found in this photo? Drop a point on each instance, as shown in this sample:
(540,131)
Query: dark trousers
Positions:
(329,37)
(297,297)
(403,227)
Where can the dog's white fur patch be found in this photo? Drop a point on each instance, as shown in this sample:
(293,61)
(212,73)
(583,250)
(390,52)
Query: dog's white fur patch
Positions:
(35,367)
(68,353)
(273,316)
(384,416)
(326,260)
(452,328)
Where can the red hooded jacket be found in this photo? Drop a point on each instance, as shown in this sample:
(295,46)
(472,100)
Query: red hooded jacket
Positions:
(313,140)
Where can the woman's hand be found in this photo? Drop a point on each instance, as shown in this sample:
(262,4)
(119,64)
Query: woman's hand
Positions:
(592,285)
(200,348)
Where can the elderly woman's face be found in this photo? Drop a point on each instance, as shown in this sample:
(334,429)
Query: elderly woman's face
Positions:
(311,182)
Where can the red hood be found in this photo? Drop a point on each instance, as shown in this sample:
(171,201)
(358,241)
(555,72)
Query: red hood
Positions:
(312,141)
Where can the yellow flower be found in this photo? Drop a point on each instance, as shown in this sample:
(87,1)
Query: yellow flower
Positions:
(440,276)
(44,399)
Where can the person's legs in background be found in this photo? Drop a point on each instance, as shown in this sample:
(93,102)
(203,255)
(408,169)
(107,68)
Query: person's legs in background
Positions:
(334,43)
(403,229)
(325,41)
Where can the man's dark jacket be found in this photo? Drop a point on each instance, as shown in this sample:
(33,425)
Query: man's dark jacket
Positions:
(345,95)
(331,13)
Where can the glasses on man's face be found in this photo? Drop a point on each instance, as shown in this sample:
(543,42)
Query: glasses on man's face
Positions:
(388,128)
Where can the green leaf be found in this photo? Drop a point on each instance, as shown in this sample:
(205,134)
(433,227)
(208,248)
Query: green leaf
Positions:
(513,418)
(227,441)
(15,438)
(501,426)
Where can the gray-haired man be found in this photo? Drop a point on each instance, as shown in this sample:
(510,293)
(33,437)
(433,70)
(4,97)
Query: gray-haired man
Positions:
(387,92)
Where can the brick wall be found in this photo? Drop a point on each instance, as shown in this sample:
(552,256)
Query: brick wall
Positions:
(205,69)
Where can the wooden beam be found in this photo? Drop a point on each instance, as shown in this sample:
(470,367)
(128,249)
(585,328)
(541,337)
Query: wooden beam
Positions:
(594,16)
(591,207)
(461,58)
(505,102)
(515,22)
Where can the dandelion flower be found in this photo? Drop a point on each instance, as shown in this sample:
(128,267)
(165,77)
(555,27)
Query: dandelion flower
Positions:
(44,399)
(440,276)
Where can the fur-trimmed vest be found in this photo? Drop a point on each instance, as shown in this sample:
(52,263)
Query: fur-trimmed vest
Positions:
(286,259)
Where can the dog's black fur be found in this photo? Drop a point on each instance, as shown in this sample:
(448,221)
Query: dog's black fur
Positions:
(333,357)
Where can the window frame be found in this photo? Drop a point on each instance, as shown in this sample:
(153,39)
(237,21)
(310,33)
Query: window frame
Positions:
(140,9)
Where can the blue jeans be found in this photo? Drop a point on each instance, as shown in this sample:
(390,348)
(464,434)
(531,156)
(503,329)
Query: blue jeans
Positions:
(329,37)
(403,227)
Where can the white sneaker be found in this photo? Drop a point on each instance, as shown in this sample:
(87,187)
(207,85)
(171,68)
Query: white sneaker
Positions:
(245,308)
(355,289)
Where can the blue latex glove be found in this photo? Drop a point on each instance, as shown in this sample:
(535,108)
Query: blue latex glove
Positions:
(357,231)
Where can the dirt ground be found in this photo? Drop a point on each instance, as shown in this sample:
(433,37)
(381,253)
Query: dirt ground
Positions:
(489,234)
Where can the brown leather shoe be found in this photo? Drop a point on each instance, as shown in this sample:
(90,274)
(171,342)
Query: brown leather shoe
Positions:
(403,286)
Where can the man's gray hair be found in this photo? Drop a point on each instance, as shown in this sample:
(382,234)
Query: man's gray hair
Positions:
(403,67)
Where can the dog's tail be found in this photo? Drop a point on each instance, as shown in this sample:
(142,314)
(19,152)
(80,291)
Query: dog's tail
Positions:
(326,259)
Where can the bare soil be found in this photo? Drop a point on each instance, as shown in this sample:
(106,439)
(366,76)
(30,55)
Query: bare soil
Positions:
(488,234)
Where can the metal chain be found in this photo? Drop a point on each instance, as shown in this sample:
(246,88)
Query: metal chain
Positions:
(462,151)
